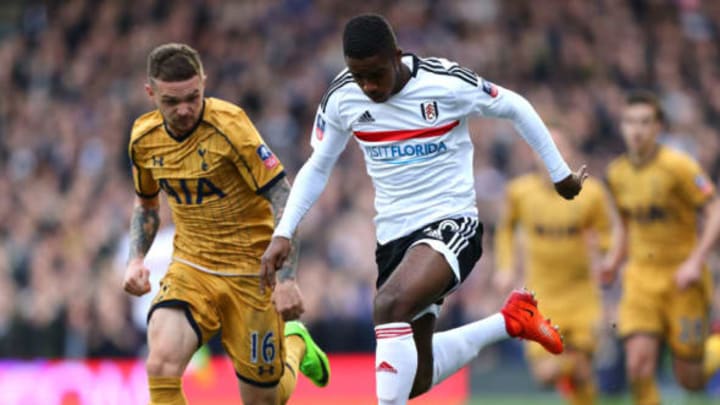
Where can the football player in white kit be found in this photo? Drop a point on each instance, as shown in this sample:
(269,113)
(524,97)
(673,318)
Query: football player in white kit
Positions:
(410,117)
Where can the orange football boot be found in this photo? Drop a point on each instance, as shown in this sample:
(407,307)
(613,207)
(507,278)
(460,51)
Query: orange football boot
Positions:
(524,320)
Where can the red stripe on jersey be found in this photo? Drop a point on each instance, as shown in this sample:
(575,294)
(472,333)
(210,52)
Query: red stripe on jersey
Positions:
(403,134)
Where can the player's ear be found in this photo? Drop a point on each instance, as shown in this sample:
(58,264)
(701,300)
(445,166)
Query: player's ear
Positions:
(149,90)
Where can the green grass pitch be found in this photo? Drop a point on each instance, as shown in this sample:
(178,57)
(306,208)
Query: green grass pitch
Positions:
(554,400)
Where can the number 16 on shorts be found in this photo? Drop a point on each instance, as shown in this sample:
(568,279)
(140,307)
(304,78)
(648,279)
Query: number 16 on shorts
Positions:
(262,347)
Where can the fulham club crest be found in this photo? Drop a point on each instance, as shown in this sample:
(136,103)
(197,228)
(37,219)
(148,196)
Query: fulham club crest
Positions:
(429,111)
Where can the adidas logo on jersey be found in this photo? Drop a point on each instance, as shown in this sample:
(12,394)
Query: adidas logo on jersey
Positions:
(366,117)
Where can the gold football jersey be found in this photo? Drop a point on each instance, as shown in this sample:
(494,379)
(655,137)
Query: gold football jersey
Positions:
(659,201)
(213,178)
(556,236)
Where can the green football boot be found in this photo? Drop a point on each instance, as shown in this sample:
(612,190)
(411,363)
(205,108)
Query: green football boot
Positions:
(315,364)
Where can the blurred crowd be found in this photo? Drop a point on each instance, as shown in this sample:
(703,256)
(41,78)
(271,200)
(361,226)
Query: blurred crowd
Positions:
(72,75)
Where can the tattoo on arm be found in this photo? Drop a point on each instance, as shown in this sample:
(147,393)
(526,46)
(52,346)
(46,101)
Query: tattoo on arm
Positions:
(278,195)
(289,268)
(143,228)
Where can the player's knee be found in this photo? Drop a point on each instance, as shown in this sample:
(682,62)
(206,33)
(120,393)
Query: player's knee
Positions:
(161,363)
(639,366)
(392,306)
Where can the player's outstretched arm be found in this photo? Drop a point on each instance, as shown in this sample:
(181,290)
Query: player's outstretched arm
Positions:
(144,225)
(280,260)
(510,105)
(309,184)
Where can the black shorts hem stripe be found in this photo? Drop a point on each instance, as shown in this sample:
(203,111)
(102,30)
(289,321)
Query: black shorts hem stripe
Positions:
(188,314)
(270,183)
(257,383)
(691,359)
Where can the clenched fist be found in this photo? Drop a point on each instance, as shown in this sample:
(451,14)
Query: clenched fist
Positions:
(137,278)
(571,185)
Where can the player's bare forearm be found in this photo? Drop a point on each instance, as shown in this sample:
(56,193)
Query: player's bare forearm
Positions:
(289,268)
(618,250)
(278,196)
(144,225)
(711,230)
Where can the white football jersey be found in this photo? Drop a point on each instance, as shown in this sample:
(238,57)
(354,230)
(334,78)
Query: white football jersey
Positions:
(417,146)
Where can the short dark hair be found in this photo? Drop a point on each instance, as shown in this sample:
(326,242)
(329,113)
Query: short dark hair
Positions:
(649,98)
(368,35)
(173,62)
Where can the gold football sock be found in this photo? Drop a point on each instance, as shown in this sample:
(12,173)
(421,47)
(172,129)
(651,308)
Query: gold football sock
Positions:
(294,352)
(582,394)
(166,391)
(645,391)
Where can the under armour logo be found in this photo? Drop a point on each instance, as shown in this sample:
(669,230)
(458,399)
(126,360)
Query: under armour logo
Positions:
(385,367)
(366,117)
(262,370)
(157,161)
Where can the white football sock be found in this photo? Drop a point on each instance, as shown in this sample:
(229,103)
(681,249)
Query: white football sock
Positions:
(395,363)
(455,348)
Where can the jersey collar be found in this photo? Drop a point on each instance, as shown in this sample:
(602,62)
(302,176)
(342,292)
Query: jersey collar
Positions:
(413,63)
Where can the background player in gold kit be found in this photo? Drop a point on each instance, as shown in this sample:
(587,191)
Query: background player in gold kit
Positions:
(561,240)
(666,285)
(226,191)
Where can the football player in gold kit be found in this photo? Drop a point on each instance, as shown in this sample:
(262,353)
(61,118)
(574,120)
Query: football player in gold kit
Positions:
(666,287)
(561,239)
(226,191)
